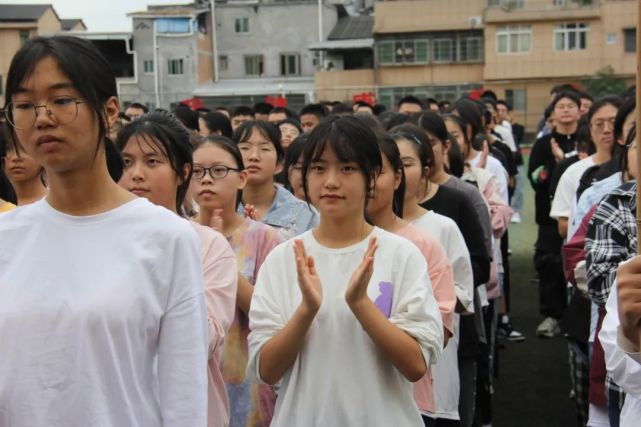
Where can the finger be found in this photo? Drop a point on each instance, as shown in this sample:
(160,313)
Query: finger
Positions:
(311,266)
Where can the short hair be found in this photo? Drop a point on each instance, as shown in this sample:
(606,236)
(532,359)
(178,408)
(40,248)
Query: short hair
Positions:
(216,121)
(572,96)
(506,104)
(410,99)
(187,116)
(585,95)
(243,110)
(378,109)
(489,100)
(565,87)
(317,110)
(489,94)
(429,101)
(266,129)
(289,113)
(341,108)
(139,106)
(292,122)
(221,108)
(263,108)
(203,110)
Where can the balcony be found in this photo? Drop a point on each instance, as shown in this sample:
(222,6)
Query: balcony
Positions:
(510,11)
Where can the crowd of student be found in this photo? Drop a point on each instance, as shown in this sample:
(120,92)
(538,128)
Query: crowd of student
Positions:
(342,266)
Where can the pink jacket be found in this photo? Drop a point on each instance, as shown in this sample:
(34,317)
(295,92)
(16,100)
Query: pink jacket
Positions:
(221,279)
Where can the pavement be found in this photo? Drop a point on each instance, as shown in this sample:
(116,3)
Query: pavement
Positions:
(533,387)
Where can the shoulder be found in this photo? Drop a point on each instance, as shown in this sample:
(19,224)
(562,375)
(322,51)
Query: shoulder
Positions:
(211,241)
(395,246)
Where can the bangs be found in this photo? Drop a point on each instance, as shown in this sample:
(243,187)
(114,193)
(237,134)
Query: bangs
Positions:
(339,144)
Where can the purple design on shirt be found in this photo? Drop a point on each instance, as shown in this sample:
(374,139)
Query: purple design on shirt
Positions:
(384,300)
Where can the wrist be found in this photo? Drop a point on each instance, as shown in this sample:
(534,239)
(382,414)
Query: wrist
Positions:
(631,334)
(357,305)
(306,311)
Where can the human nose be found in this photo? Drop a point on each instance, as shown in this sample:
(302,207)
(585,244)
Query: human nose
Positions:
(137,171)
(42,120)
(331,178)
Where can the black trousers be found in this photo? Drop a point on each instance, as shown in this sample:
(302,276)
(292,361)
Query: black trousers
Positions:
(549,266)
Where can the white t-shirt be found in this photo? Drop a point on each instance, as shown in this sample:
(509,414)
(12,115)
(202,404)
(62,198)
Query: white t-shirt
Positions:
(340,377)
(564,201)
(495,167)
(505,131)
(445,231)
(89,306)
(622,361)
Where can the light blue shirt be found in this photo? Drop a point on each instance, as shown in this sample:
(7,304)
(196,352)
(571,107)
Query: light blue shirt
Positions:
(288,215)
(591,197)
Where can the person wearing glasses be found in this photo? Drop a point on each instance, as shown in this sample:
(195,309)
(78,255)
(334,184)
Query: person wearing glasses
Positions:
(158,164)
(263,155)
(102,314)
(218,178)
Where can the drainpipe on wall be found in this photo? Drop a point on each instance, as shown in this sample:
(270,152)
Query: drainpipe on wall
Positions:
(156,67)
(214,41)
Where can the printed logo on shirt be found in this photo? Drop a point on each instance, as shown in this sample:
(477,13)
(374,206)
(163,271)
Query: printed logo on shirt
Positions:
(384,300)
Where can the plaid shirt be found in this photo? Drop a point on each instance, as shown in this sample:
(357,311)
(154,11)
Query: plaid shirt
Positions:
(611,239)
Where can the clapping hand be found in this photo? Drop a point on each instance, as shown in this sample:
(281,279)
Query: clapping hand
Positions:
(308,279)
(357,286)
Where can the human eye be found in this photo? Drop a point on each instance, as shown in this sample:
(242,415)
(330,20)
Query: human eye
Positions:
(62,101)
(243,147)
(348,168)
(127,162)
(316,167)
(219,170)
(153,161)
(22,105)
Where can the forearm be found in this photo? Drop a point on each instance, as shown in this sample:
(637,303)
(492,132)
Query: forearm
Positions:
(280,352)
(244,293)
(402,350)
(563,227)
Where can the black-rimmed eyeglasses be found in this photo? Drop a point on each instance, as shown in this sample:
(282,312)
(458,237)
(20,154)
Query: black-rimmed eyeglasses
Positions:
(216,172)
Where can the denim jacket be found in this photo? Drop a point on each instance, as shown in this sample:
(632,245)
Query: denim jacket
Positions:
(288,215)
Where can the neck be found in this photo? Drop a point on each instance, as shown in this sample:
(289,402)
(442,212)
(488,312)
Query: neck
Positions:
(440,177)
(86,192)
(261,196)
(30,191)
(471,154)
(387,220)
(432,188)
(412,210)
(341,232)
(601,156)
(566,129)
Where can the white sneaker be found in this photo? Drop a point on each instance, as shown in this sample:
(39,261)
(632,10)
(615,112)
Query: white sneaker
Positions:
(516,218)
(548,328)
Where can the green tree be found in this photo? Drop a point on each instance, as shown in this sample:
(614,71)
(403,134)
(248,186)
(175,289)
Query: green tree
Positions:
(604,82)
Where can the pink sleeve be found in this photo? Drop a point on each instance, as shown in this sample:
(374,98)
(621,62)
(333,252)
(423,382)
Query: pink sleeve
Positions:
(500,213)
(442,278)
(220,269)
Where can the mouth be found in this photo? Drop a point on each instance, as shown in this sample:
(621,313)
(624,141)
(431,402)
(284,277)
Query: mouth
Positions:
(331,197)
(252,169)
(139,191)
(47,139)
(17,169)
(206,193)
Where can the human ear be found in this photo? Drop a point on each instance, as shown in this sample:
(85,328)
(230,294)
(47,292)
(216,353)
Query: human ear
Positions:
(111,109)
(242,176)
(186,170)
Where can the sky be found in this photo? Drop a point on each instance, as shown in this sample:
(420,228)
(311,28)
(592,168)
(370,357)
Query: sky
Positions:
(98,15)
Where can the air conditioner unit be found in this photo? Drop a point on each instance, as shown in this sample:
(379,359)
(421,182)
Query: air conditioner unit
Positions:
(475,21)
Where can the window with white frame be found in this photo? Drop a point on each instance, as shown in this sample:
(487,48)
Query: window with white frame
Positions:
(289,64)
(253,65)
(517,98)
(514,39)
(148,66)
(443,50)
(175,67)
(242,25)
(573,36)
(223,62)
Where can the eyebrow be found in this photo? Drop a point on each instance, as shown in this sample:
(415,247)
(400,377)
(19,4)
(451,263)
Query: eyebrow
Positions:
(56,86)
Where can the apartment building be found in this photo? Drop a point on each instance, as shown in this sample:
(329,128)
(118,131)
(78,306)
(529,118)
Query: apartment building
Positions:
(518,48)
(19,22)
(172,51)
(262,50)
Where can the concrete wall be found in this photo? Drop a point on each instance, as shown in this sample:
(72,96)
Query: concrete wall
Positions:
(273,29)
(408,16)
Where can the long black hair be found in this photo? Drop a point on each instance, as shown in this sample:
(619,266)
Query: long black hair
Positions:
(389,149)
(7,193)
(227,145)
(166,134)
(218,122)
(420,144)
(351,141)
(80,60)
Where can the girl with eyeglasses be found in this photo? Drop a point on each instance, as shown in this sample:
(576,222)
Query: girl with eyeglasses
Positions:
(157,156)
(7,194)
(101,292)
(218,178)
